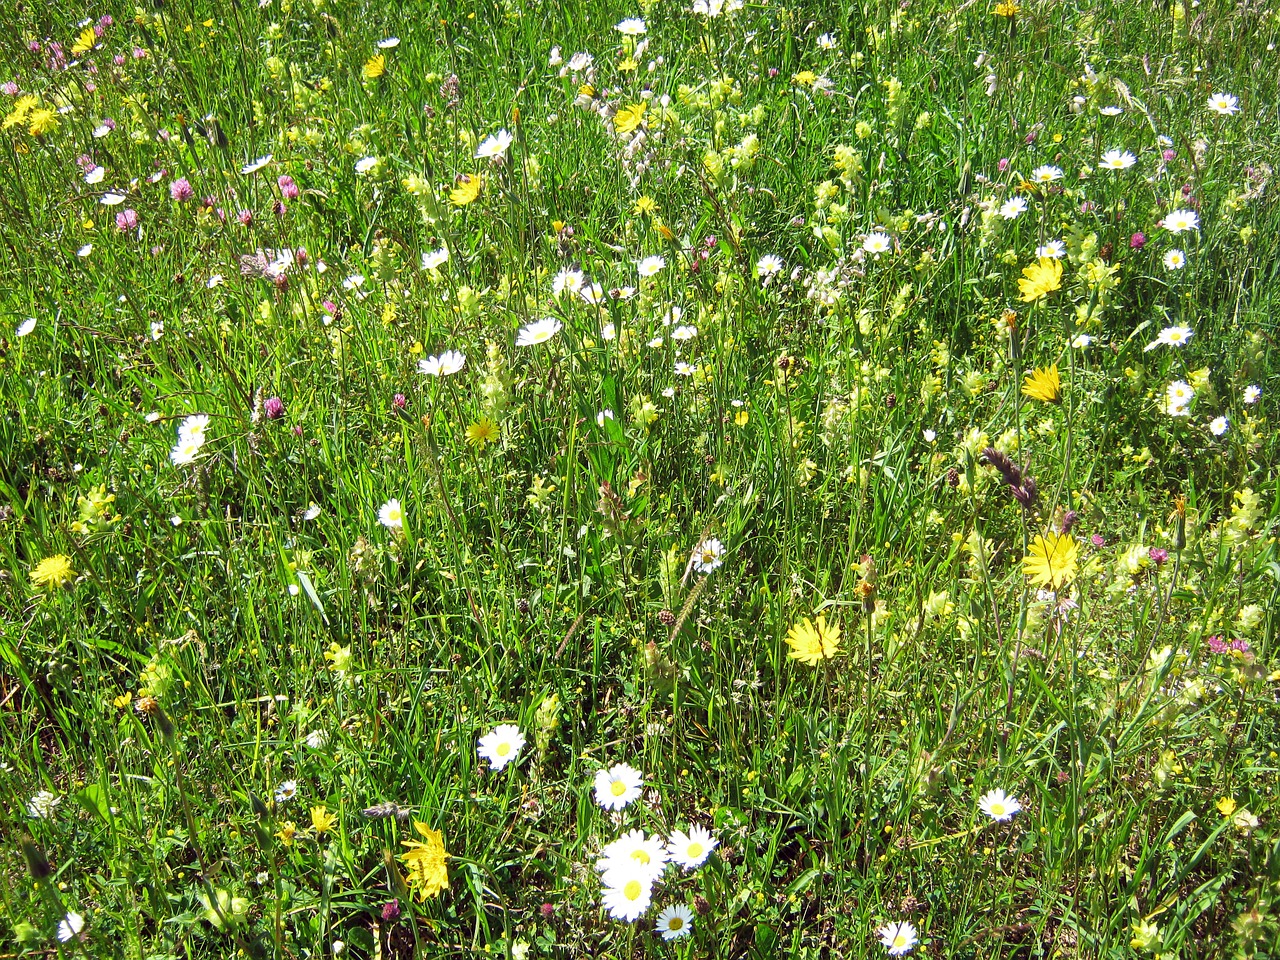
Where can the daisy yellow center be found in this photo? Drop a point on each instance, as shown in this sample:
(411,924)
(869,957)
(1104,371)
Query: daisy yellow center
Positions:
(675,923)
(708,556)
(632,890)
(618,788)
(900,941)
(504,749)
(694,849)
(997,809)
(641,856)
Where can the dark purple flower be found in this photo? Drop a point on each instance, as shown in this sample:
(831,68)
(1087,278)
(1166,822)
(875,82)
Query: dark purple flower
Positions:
(127,219)
(391,910)
(273,407)
(547,910)
(1137,241)
(181,190)
(300,255)
(773,72)
(1159,556)
(280,208)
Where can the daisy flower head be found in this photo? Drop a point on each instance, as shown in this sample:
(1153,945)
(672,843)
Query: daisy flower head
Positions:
(502,745)
(1177,398)
(287,790)
(618,786)
(827,42)
(567,279)
(250,168)
(435,259)
(631,27)
(1013,208)
(1175,260)
(684,332)
(1111,111)
(1176,336)
(691,849)
(998,806)
(877,243)
(635,851)
(368,166)
(445,365)
(1218,426)
(898,938)
(95,175)
(1053,250)
(25,327)
(591,293)
(70,927)
(1180,221)
(626,894)
(1118,160)
(651,266)
(675,921)
(768,265)
(538,332)
(391,515)
(1046,174)
(495,146)
(1252,394)
(1224,104)
(684,369)
(707,555)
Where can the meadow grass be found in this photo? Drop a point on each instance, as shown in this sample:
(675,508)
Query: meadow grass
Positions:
(851,417)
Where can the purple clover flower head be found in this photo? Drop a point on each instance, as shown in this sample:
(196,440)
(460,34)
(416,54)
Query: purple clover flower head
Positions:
(391,910)
(1003,165)
(1159,556)
(273,407)
(399,401)
(1138,241)
(1169,154)
(1098,540)
(10,89)
(181,190)
(118,60)
(127,219)
(245,217)
(1216,645)
(288,189)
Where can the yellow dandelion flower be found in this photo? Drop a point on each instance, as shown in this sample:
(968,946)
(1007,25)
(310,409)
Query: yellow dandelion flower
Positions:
(1051,560)
(18,115)
(1040,279)
(628,118)
(84,43)
(481,432)
(41,121)
(805,78)
(1007,8)
(467,189)
(286,833)
(374,67)
(55,571)
(428,872)
(322,820)
(812,641)
(1226,806)
(1043,384)
(646,206)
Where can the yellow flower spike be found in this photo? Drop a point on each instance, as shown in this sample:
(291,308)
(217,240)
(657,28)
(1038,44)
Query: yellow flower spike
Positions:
(1043,384)
(813,641)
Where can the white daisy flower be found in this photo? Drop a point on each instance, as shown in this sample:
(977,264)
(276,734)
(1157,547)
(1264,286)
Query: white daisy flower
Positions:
(603,415)
(1252,394)
(1053,250)
(877,243)
(367,165)
(650,266)
(1175,260)
(25,327)
(1118,160)
(540,331)
(287,790)
(70,927)
(684,332)
(445,365)
(1013,208)
(501,746)
(618,786)
(1224,104)
(1179,221)
(567,279)
(390,43)
(691,849)
(1046,174)
(100,131)
(899,937)
(996,805)
(391,515)
(85,251)
(257,165)
(675,921)
(685,369)
(95,175)
(631,27)
(633,850)
(112,199)
(494,146)
(434,259)
(768,265)
(1219,425)
(1110,111)
(707,555)
(1171,337)
(626,894)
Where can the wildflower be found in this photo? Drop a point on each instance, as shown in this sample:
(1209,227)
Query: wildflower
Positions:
(626,894)
(1111,111)
(391,515)
(1046,174)
(41,121)
(1218,426)
(618,786)
(1053,250)
(877,243)
(634,851)
(250,168)
(1051,560)
(286,791)
(566,279)
(435,259)
(316,739)
(288,830)
(481,432)
(466,190)
(502,745)
(1224,104)
(707,555)
(1180,221)
(1175,260)
(1252,394)
(900,937)
(827,42)
(1146,936)
(494,146)
(389,43)
(1040,279)
(1245,821)
(1177,398)
(684,369)
(1118,160)
(629,117)
(540,331)
(428,872)
(322,820)
(126,220)
(1226,806)
(691,849)
(445,365)
(1171,337)
(684,332)
(1013,208)
(51,572)
(603,415)
(1137,241)
(996,805)
(181,190)
(674,922)
(768,265)
(1080,341)
(813,641)
(631,27)
(650,266)
(374,67)
(1043,384)
(70,927)
(42,804)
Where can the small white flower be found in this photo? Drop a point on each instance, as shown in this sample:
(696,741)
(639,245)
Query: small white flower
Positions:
(609,332)
(668,392)
(95,175)
(367,165)
(580,62)
(186,450)
(25,327)
(317,739)
(445,365)
(1013,208)
(287,790)
(214,281)
(1179,221)
(434,259)
(827,42)
(85,251)
(100,131)
(631,27)
(1118,160)
(1224,104)
(391,515)
(899,938)
(1053,250)
(157,329)
(312,511)
(1219,425)
(70,927)
(685,369)
(650,266)
(1046,174)
(1110,111)
(540,331)
(768,265)
(502,745)
(877,243)
(691,849)
(634,851)
(618,786)
(42,804)
(566,280)
(684,332)
(996,805)
(112,199)
(626,894)
(1081,341)
(1176,336)
(674,922)
(603,415)
(193,427)
(390,43)
(708,555)
(257,165)
(495,146)
(1252,394)
(1175,260)
(930,436)
(555,58)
